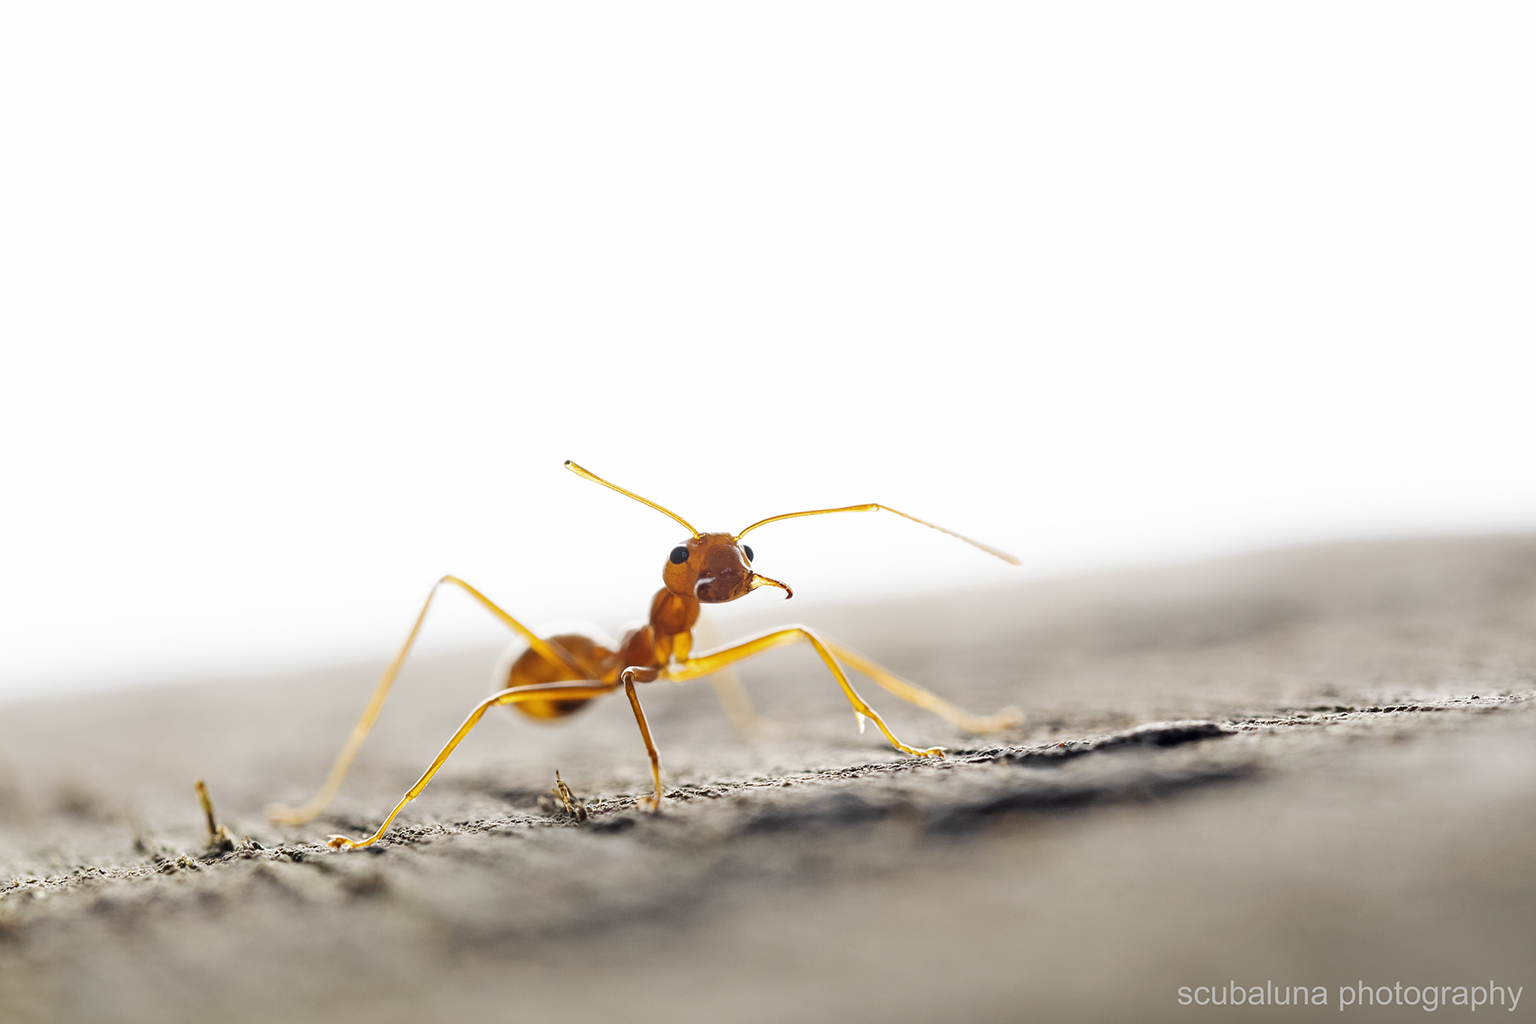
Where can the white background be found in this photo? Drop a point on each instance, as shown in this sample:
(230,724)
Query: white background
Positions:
(303,305)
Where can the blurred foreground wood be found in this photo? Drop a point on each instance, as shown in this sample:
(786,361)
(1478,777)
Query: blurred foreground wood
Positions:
(1350,795)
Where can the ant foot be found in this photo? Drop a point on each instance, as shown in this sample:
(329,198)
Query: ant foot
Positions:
(340,843)
(649,803)
(1005,719)
(284,816)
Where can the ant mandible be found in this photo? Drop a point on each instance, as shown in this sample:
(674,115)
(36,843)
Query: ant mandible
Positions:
(558,674)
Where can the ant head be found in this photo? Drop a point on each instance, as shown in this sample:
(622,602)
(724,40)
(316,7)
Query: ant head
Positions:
(717,567)
(708,567)
(714,568)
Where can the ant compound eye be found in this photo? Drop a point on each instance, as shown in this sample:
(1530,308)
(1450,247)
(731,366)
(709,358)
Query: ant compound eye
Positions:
(679,555)
(746,549)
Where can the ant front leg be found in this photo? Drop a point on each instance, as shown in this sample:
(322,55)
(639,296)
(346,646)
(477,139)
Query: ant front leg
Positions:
(1004,719)
(704,664)
(732,696)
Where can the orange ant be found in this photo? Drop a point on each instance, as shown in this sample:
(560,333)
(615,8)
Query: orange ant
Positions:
(558,674)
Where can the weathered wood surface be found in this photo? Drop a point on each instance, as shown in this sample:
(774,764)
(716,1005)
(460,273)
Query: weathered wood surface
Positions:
(1360,804)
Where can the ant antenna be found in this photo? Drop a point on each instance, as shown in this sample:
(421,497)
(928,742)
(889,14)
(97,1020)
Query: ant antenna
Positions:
(588,475)
(994,552)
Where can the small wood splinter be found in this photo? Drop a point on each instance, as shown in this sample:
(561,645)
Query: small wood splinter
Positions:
(557,675)
(219,837)
(575,806)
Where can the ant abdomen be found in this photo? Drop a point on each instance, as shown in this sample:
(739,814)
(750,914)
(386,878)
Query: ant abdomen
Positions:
(590,648)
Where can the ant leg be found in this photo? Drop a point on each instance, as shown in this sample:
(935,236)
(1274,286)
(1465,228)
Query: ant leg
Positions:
(649,803)
(716,660)
(516,695)
(281,815)
(1007,718)
(744,719)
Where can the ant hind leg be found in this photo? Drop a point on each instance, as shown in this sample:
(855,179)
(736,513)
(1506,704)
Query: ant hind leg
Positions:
(535,692)
(282,815)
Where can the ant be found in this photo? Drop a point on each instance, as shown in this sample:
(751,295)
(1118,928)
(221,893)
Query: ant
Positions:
(559,674)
